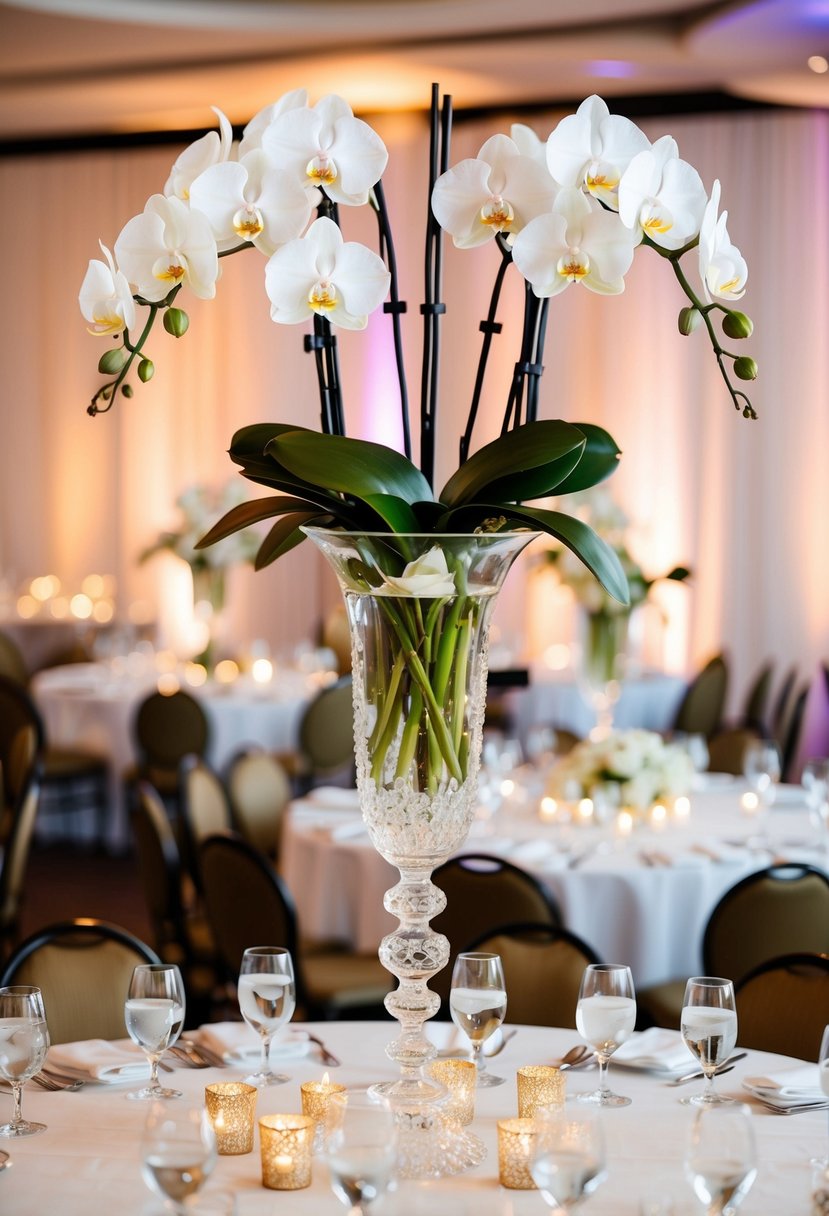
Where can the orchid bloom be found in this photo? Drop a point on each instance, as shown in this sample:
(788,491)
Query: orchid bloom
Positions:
(528,143)
(105,297)
(722,267)
(592,148)
(253,132)
(578,242)
(498,191)
(326,146)
(427,576)
(211,149)
(165,245)
(250,200)
(323,274)
(662,197)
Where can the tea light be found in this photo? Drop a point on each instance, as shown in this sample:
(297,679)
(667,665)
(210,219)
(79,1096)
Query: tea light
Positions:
(540,1087)
(749,802)
(682,807)
(659,816)
(231,1107)
(315,1098)
(516,1140)
(624,823)
(460,1077)
(585,809)
(285,1142)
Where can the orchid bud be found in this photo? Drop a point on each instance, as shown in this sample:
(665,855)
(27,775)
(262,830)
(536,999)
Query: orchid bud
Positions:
(689,319)
(745,368)
(176,322)
(127,390)
(111,362)
(737,325)
(146,370)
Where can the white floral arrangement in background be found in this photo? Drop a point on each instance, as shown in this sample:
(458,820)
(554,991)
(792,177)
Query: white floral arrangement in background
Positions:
(630,769)
(198,508)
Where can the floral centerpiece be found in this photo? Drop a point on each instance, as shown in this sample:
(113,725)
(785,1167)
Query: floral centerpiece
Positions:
(627,770)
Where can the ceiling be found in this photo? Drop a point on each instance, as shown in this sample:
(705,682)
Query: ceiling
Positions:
(95,67)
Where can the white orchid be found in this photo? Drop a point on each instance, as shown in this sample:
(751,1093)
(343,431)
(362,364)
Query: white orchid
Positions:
(578,242)
(592,148)
(165,245)
(251,200)
(212,149)
(427,576)
(253,132)
(321,273)
(528,143)
(722,267)
(326,146)
(500,190)
(105,297)
(662,197)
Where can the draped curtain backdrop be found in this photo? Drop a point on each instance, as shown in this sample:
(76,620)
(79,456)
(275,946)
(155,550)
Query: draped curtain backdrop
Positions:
(744,504)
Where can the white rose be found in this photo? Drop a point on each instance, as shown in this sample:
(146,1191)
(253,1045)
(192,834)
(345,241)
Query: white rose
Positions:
(426,576)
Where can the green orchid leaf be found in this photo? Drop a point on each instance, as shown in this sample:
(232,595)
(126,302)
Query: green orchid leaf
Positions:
(286,535)
(248,513)
(540,482)
(247,449)
(428,512)
(252,440)
(599,459)
(349,466)
(394,511)
(527,450)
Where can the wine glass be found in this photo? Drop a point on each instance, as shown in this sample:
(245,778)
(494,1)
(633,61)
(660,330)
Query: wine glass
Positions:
(568,1157)
(267,998)
(24,1041)
(178,1153)
(359,1147)
(154,1014)
(822,1163)
(762,767)
(478,1004)
(709,1030)
(720,1160)
(815,782)
(605,1018)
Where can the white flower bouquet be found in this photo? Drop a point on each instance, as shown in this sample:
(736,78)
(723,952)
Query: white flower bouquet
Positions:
(630,770)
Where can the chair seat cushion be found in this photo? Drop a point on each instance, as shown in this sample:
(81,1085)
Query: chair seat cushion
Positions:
(61,762)
(341,979)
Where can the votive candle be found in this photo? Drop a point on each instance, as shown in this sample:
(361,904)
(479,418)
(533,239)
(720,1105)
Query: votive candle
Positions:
(460,1077)
(315,1098)
(231,1108)
(516,1141)
(540,1087)
(285,1143)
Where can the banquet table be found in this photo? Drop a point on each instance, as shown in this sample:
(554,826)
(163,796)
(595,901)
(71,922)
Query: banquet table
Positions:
(88,1158)
(642,899)
(92,705)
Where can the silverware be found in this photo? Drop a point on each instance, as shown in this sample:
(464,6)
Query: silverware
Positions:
(187,1057)
(210,1058)
(327,1056)
(53,1084)
(574,1056)
(505,1038)
(5,1161)
(698,1074)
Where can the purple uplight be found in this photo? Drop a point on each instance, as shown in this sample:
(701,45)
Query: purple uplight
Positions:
(619,68)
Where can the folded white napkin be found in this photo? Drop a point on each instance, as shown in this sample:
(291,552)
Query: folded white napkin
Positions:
(334,796)
(655,1050)
(100,1060)
(236,1042)
(792,1087)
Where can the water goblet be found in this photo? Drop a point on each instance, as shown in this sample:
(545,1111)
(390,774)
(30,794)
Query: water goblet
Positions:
(815,782)
(478,1004)
(359,1147)
(605,1018)
(267,997)
(154,1014)
(720,1160)
(709,1031)
(24,1041)
(762,767)
(568,1157)
(178,1153)
(822,1163)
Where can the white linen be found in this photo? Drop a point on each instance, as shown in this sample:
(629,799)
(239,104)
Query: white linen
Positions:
(100,1060)
(655,1050)
(236,1042)
(553,698)
(792,1087)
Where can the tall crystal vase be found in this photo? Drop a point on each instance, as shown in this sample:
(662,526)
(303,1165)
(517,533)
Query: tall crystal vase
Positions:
(208,605)
(419,608)
(603,645)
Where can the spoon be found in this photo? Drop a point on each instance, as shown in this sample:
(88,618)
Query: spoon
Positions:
(5,1161)
(575,1056)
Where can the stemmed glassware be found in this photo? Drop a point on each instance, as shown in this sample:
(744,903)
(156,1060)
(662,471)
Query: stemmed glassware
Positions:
(178,1153)
(762,768)
(24,1041)
(568,1157)
(267,998)
(709,1030)
(360,1147)
(605,1018)
(154,1014)
(823,1072)
(720,1160)
(478,1004)
(815,782)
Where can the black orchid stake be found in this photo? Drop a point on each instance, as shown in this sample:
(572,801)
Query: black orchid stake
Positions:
(323,345)
(395,307)
(432,307)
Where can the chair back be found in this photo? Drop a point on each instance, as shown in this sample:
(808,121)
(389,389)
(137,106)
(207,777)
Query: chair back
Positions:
(811,739)
(12,663)
(16,855)
(83,968)
(483,893)
(776,911)
(727,750)
(543,968)
(168,728)
(783,1005)
(22,739)
(336,635)
(326,732)
(782,705)
(259,791)
(204,801)
(159,866)
(753,716)
(700,711)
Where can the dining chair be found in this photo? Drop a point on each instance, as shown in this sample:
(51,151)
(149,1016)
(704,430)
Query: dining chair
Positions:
(205,809)
(775,911)
(781,707)
(754,713)
(83,968)
(543,968)
(483,893)
(701,708)
(326,736)
(727,749)
(783,1005)
(12,663)
(22,811)
(336,635)
(248,903)
(165,729)
(259,791)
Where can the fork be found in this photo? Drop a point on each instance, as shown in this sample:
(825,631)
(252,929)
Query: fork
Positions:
(188,1056)
(54,1085)
(327,1057)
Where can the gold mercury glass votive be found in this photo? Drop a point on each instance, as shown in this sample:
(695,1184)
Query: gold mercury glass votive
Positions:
(516,1141)
(460,1077)
(540,1087)
(315,1098)
(285,1142)
(231,1108)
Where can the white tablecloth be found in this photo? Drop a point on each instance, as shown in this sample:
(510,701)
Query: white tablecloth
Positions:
(650,916)
(88,1159)
(87,705)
